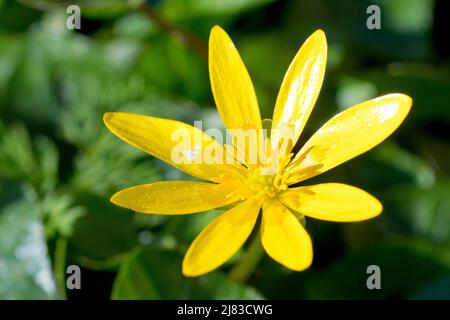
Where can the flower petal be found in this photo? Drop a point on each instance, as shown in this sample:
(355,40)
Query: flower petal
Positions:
(221,238)
(181,145)
(235,97)
(332,202)
(348,134)
(231,85)
(299,92)
(284,238)
(175,197)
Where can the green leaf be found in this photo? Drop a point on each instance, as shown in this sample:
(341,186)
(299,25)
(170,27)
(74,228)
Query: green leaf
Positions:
(258,51)
(187,227)
(156,274)
(60,214)
(174,67)
(134,25)
(422,213)
(428,87)
(112,226)
(400,36)
(10,50)
(89,8)
(436,151)
(35,162)
(408,15)
(34,71)
(17,160)
(406,265)
(182,9)
(393,155)
(10,10)
(108,8)
(352,91)
(25,270)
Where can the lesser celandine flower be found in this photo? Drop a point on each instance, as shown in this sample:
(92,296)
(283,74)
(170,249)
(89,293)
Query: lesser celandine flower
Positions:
(264,184)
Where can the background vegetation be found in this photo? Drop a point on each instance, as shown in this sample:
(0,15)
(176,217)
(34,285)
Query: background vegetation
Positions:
(59,165)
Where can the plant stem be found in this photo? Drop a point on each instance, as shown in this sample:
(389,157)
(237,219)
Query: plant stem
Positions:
(59,267)
(244,269)
(176,32)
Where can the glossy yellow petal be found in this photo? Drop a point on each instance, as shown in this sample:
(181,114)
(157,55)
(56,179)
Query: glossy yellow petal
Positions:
(221,238)
(284,238)
(231,85)
(175,197)
(332,202)
(299,92)
(235,96)
(181,145)
(348,134)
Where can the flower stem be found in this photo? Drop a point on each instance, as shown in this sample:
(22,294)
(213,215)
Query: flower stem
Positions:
(244,269)
(60,266)
(175,31)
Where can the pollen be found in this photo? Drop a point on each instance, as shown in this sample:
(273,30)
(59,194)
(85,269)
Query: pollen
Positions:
(266,185)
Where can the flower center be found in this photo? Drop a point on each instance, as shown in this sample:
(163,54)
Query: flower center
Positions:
(263,183)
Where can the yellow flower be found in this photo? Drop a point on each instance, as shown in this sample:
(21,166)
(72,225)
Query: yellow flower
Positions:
(251,186)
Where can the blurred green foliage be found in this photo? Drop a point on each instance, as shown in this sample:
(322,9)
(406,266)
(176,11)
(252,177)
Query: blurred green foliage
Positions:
(59,165)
